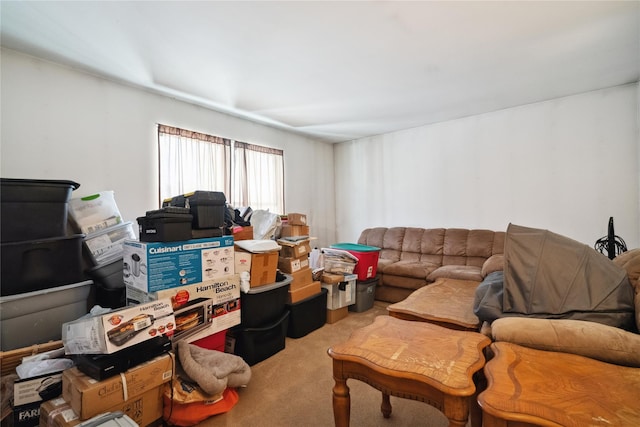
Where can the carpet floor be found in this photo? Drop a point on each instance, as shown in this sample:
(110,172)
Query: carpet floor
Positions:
(294,387)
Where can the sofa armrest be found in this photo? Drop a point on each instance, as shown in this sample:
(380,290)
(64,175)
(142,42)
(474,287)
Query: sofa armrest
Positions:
(492,264)
(590,339)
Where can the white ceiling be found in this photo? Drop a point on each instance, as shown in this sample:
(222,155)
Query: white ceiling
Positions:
(339,70)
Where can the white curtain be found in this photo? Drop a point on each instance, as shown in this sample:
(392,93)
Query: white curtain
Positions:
(191,161)
(258,177)
(249,176)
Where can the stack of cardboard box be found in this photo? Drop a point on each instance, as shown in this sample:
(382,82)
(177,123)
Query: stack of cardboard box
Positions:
(294,257)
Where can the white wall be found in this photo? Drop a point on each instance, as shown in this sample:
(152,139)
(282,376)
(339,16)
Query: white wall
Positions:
(565,165)
(58,123)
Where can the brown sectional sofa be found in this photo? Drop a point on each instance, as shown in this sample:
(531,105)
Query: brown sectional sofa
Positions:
(412,257)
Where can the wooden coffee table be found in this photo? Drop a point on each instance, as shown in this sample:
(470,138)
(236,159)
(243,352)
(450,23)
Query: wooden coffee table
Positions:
(445,302)
(528,387)
(411,360)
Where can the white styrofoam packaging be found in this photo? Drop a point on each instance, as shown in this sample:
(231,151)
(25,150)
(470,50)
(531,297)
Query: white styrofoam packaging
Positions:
(341,294)
(155,266)
(118,329)
(224,293)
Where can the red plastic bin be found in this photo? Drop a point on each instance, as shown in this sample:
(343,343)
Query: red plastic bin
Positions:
(367,265)
(213,342)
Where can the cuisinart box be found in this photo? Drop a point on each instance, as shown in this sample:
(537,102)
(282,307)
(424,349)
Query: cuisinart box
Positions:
(118,329)
(155,266)
(201,309)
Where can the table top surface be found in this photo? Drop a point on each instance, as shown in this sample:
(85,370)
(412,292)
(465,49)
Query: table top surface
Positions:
(445,300)
(552,388)
(441,357)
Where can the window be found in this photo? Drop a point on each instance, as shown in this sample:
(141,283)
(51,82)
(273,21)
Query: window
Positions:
(248,174)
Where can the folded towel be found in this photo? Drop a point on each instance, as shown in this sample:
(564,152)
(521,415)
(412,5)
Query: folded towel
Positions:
(211,369)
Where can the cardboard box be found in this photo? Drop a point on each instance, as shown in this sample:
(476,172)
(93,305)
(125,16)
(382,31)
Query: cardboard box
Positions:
(294,249)
(144,410)
(242,261)
(263,267)
(297,219)
(304,292)
(89,397)
(118,329)
(301,278)
(242,233)
(224,294)
(291,265)
(338,314)
(154,266)
(289,230)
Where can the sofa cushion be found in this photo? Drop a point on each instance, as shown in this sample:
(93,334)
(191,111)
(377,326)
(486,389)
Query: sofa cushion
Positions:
(630,261)
(416,269)
(462,272)
(590,339)
(492,264)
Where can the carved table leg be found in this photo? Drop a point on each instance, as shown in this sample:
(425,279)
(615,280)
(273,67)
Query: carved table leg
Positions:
(341,403)
(386,406)
(456,409)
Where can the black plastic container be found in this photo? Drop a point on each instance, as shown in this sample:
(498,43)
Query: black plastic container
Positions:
(307,315)
(34,208)
(207,207)
(109,275)
(257,344)
(264,304)
(165,227)
(40,264)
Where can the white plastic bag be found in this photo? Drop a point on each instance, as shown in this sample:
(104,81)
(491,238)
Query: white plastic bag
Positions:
(265,224)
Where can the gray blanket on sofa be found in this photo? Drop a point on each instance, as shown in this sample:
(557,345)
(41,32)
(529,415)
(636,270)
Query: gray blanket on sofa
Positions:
(551,276)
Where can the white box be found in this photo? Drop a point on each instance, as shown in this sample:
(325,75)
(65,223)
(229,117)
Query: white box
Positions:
(118,329)
(341,294)
(224,293)
(155,266)
(106,245)
(95,212)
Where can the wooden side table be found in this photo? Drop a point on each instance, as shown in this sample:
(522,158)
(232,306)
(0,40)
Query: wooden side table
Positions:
(411,360)
(528,387)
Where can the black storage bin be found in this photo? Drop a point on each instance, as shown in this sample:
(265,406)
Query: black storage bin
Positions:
(307,315)
(109,275)
(110,297)
(264,304)
(40,264)
(207,207)
(33,209)
(165,227)
(257,344)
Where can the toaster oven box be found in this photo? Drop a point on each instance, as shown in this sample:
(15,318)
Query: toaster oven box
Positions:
(155,266)
(201,309)
(88,397)
(118,329)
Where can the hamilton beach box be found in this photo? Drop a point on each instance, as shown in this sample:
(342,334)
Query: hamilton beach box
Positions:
(214,306)
(118,329)
(155,266)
